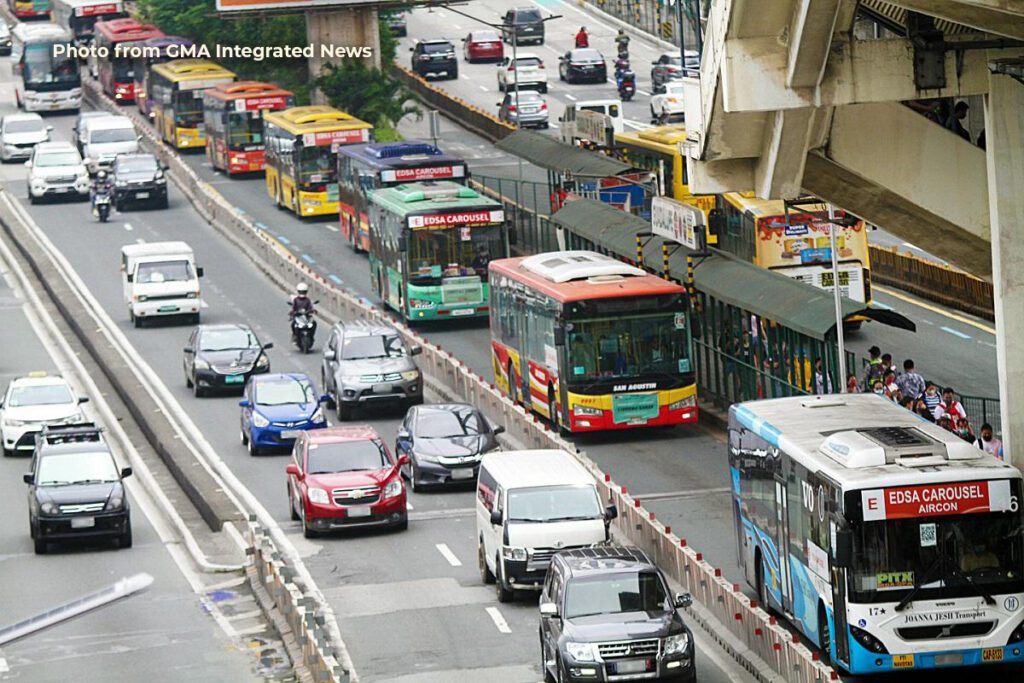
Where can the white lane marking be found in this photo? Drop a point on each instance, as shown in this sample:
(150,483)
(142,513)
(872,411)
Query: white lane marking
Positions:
(331,228)
(570,97)
(644,92)
(128,227)
(990,344)
(955,333)
(553,125)
(483,87)
(466,77)
(447,554)
(408,506)
(498,620)
(689,493)
(3,666)
(927,322)
(457,26)
(879,304)
(140,241)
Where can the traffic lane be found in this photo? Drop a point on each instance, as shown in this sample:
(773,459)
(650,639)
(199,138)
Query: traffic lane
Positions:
(162,634)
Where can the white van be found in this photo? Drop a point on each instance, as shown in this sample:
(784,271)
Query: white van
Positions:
(160,279)
(105,137)
(530,505)
(611,109)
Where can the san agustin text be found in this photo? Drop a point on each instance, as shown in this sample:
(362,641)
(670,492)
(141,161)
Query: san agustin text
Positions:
(256,53)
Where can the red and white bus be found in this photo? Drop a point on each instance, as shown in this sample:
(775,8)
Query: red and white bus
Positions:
(80,16)
(590,342)
(116,71)
(233,116)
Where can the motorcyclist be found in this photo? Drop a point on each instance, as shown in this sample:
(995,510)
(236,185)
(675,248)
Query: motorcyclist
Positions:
(301,304)
(582,39)
(622,41)
(101,185)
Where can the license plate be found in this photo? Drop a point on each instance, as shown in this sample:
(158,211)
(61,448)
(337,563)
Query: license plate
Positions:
(234,379)
(359,512)
(903,661)
(992,654)
(382,388)
(636,666)
(465,473)
(167,309)
(54,106)
(290,434)
(464,311)
(62,189)
(83,522)
(142,195)
(955,659)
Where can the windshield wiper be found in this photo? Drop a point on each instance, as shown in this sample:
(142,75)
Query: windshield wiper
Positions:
(589,614)
(54,482)
(989,600)
(570,517)
(94,481)
(925,578)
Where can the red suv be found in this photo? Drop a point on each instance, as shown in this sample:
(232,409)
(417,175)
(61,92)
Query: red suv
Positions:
(345,477)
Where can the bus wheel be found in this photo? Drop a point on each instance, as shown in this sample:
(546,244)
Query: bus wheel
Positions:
(762,587)
(824,636)
(512,389)
(553,415)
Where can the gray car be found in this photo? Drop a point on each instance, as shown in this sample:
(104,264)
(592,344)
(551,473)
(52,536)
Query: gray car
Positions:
(367,363)
(529,110)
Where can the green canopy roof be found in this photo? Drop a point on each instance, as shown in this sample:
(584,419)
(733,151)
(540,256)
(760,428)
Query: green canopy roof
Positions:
(549,153)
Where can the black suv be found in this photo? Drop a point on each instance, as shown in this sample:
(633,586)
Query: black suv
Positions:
(138,179)
(606,614)
(75,489)
(434,58)
(523,24)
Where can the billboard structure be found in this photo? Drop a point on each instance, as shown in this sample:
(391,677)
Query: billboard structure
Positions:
(229,6)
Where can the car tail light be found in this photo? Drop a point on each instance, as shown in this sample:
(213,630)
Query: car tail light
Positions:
(511,69)
(543,106)
(511,107)
(540,66)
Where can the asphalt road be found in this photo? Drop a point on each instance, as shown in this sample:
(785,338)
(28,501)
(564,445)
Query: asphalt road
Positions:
(162,634)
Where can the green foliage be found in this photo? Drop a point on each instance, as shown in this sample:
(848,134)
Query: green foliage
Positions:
(365,93)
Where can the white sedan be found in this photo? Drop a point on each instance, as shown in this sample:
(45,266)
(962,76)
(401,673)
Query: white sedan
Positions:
(529,70)
(32,401)
(669,104)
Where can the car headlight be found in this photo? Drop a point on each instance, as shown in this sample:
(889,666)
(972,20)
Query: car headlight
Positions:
(262,361)
(115,503)
(201,364)
(160,180)
(192,295)
(121,183)
(259,421)
(677,644)
(8,422)
(411,375)
(428,458)
(48,508)
(685,403)
(393,488)
(581,652)
(318,416)
(584,411)
(143,297)
(318,496)
(513,553)
(72,419)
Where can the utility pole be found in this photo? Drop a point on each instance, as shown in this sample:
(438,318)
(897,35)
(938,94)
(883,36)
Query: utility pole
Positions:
(837,298)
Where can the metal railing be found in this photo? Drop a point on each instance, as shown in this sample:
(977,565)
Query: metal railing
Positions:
(933,281)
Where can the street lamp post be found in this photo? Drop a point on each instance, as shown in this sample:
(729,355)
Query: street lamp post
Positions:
(837,298)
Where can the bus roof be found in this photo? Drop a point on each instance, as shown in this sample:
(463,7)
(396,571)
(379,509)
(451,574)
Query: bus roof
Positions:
(747,202)
(864,440)
(398,154)
(163,42)
(441,196)
(126,29)
(314,119)
(178,70)
(568,276)
(29,33)
(239,90)
(85,8)
(662,139)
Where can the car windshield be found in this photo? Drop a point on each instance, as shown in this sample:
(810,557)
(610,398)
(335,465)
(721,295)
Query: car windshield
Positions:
(40,395)
(372,346)
(106,135)
(446,424)
(615,594)
(437,48)
(348,456)
(76,468)
(227,340)
(51,159)
(280,392)
(553,503)
(586,55)
(137,165)
(164,271)
(24,126)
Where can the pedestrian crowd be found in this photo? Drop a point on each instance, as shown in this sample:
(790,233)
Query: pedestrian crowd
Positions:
(913,392)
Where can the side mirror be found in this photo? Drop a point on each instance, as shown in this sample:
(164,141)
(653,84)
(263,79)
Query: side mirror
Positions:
(126,472)
(245,403)
(293,470)
(498,430)
(199,271)
(496,517)
(83,399)
(683,600)
(402,245)
(654,63)
(559,335)
(189,349)
(415,350)
(412,49)
(497,104)
(268,345)
(403,460)
(611,512)
(130,277)
(844,548)
(548,610)
(28,478)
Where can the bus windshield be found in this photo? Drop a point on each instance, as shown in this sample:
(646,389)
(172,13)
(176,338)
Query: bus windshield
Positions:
(42,67)
(188,108)
(316,164)
(453,252)
(615,347)
(951,556)
(245,129)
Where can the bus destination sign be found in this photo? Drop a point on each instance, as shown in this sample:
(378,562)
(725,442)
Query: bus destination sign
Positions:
(332,137)
(933,500)
(97,10)
(424,173)
(444,220)
(257,103)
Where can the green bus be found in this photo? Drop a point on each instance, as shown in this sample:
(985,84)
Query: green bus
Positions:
(430,243)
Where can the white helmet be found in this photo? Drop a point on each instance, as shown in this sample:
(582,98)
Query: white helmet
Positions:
(302,288)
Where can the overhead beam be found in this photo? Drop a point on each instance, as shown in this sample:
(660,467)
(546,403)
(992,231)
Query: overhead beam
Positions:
(810,35)
(780,167)
(1002,17)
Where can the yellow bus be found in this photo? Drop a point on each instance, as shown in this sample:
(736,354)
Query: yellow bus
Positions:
(175,89)
(756,230)
(301,156)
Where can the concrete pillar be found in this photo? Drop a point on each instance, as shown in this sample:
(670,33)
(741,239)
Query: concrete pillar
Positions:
(342,28)
(1004,137)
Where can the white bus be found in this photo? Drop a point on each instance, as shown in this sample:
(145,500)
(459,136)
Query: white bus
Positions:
(43,80)
(888,541)
(79,16)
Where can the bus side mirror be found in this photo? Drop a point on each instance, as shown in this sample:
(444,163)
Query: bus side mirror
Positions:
(716,222)
(844,548)
(130,277)
(559,335)
(402,245)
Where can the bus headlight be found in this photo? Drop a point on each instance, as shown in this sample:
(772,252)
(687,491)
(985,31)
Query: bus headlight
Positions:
(1017,635)
(685,403)
(868,641)
(584,411)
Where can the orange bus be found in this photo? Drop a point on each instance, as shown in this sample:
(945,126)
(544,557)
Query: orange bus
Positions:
(115,71)
(590,342)
(233,115)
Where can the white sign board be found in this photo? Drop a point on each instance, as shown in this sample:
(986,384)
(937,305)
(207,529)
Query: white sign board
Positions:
(677,221)
(592,126)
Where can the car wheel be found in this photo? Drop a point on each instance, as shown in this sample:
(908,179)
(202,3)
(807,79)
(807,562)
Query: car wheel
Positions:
(125,539)
(485,573)
(553,416)
(560,675)
(762,587)
(242,436)
(197,390)
(545,674)
(544,88)
(188,381)
(31,197)
(455,74)
(163,203)
(503,593)
(291,507)
(331,403)
(513,389)
(344,412)
(254,450)
(307,531)
(824,637)
(39,544)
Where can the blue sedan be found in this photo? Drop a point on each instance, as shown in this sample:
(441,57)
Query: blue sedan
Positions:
(276,407)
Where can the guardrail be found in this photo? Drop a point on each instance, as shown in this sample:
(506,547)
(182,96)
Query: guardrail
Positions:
(934,281)
(440,368)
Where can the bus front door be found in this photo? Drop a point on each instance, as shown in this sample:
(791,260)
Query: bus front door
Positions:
(782,544)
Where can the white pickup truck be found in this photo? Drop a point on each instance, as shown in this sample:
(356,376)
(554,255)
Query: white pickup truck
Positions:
(160,279)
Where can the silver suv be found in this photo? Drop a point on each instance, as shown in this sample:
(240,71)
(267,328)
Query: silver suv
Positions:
(368,363)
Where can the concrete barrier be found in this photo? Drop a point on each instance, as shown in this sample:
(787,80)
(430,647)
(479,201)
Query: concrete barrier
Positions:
(933,281)
(742,618)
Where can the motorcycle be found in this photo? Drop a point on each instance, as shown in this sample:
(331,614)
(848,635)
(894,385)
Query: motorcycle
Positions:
(303,329)
(101,206)
(626,82)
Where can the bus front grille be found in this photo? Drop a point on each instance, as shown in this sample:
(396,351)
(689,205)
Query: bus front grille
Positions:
(938,632)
